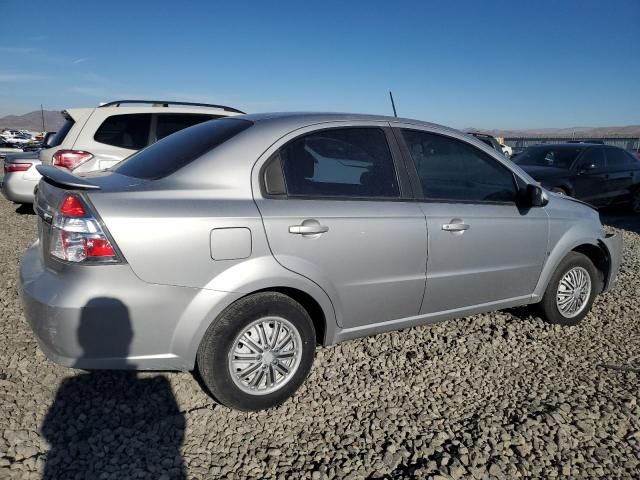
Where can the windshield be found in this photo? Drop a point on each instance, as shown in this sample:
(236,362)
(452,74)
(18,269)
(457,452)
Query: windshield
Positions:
(558,157)
(179,149)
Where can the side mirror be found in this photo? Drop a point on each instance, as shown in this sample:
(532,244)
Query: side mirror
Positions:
(587,168)
(534,196)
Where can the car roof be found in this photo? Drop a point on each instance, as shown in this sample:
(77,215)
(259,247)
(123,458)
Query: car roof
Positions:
(293,120)
(568,145)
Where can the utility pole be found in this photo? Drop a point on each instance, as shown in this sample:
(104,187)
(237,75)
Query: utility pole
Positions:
(42,115)
(393,105)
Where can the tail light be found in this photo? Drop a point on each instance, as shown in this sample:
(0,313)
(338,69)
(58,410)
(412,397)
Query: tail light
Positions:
(16,167)
(70,159)
(77,235)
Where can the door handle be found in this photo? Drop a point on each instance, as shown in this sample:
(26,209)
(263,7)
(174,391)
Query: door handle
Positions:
(455,227)
(308,229)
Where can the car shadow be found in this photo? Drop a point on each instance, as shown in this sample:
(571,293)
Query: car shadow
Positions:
(112,424)
(25,209)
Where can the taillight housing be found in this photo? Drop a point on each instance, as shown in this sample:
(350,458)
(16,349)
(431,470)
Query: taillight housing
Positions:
(17,167)
(77,236)
(70,159)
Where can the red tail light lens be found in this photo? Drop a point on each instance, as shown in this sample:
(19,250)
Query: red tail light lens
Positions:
(70,159)
(16,167)
(77,236)
(72,207)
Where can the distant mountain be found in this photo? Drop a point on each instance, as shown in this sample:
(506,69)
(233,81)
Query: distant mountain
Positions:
(581,132)
(53,120)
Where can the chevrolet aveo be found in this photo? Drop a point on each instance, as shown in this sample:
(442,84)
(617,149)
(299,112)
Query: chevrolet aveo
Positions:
(236,246)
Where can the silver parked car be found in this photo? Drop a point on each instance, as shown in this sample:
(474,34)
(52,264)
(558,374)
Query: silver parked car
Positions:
(238,245)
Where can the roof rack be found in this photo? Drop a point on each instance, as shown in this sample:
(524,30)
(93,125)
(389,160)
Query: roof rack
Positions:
(166,103)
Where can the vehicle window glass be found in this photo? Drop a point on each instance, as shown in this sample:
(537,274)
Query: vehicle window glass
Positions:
(593,159)
(176,151)
(453,170)
(56,139)
(125,131)
(171,123)
(353,162)
(618,158)
(551,156)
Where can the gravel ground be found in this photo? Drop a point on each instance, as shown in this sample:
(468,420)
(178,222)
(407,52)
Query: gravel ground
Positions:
(501,395)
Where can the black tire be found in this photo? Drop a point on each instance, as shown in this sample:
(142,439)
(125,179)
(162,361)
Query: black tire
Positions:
(548,307)
(559,191)
(216,345)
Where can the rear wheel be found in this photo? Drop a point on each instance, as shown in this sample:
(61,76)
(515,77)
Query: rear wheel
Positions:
(571,290)
(258,352)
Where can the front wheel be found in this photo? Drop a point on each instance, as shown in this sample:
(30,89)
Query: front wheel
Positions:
(258,352)
(571,290)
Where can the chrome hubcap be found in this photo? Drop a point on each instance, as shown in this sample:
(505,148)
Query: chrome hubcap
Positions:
(265,355)
(573,292)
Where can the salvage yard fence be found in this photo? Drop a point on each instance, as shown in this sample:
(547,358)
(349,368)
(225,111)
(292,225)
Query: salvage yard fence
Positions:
(520,143)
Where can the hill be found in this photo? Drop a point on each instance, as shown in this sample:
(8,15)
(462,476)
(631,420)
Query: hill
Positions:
(53,120)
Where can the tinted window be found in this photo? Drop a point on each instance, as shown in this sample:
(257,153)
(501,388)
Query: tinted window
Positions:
(551,156)
(354,162)
(174,152)
(57,138)
(171,123)
(125,131)
(453,170)
(617,157)
(593,159)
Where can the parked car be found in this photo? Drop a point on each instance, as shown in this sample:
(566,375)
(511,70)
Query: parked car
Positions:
(6,148)
(506,150)
(20,176)
(98,138)
(599,174)
(489,140)
(235,246)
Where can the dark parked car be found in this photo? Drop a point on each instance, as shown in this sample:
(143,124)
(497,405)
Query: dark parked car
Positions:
(599,174)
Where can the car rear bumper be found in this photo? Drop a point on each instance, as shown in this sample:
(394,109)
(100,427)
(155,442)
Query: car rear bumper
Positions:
(105,317)
(18,187)
(613,244)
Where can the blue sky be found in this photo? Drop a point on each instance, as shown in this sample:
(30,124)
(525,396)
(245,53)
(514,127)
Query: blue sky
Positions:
(486,64)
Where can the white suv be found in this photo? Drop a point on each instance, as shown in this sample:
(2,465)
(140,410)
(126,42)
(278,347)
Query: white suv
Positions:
(98,138)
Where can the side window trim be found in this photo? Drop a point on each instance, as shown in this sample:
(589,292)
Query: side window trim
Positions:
(415,179)
(402,176)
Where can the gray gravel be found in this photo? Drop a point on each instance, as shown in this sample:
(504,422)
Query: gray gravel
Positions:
(501,395)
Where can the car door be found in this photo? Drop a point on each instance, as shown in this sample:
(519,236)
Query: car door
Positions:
(337,217)
(621,174)
(483,249)
(590,180)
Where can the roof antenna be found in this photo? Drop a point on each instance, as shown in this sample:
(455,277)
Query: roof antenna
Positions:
(393,104)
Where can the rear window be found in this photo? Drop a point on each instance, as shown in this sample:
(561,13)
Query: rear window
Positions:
(169,123)
(178,150)
(56,139)
(551,156)
(125,131)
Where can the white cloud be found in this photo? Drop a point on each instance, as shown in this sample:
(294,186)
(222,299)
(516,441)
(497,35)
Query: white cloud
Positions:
(79,60)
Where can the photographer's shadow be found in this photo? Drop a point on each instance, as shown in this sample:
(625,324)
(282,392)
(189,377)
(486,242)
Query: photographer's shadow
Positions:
(112,422)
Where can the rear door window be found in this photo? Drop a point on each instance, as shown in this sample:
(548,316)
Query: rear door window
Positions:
(169,123)
(618,159)
(129,131)
(340,162)
(174,152)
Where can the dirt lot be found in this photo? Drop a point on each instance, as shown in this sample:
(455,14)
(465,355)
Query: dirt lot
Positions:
(501,395)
